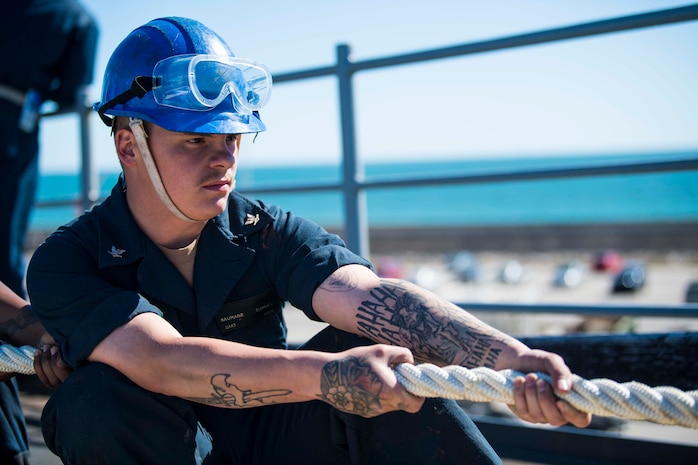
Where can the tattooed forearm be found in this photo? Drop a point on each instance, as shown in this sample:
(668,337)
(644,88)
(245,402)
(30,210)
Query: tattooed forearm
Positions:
(434,329)
(351,386)
(24,319)
(229,395)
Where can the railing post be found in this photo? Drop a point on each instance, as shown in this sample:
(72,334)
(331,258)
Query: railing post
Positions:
(89,178)
(355,216)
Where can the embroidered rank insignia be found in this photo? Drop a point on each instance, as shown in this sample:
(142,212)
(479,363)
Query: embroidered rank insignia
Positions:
(251,219)
(116,253)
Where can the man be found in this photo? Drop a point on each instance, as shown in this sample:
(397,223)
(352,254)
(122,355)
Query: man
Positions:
(167,300)
(48,49)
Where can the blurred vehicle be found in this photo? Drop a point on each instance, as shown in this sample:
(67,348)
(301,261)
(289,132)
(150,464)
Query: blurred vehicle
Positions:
(512,272)
(569,274)
(465,266)
(607,260)
(692,292)
(631,278)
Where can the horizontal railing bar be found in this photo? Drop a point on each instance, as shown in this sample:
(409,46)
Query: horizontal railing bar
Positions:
(54,203)
(601,309)
(523,175)
(304,74)
(626,23)
(530,175)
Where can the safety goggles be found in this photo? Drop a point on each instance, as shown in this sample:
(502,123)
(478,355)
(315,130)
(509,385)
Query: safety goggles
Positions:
(201,82)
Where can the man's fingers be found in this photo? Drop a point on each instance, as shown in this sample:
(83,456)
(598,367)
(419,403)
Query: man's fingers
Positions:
(47,366)
(548,405)
(576,417)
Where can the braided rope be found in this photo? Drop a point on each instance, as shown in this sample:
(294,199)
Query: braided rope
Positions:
(603,397)
(632,401)
(17,359)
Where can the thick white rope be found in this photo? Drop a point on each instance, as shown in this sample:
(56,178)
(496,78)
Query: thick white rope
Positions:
(17,359)
(632,401)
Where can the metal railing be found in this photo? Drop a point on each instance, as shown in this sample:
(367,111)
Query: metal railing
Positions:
(353,185)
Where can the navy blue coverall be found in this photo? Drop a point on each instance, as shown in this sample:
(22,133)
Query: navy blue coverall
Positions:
(48,50)
(92,276)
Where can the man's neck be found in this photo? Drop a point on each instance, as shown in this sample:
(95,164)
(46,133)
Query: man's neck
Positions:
(161,226)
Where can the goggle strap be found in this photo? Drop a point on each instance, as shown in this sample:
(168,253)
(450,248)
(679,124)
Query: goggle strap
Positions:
(139,87)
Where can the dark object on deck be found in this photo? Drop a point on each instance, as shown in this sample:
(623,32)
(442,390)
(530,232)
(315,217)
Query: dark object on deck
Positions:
(568,275)
(512,272)
(465,265)
(692,292)
(631,279)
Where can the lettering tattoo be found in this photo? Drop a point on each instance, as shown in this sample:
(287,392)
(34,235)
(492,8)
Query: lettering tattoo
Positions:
(436,331)
(231,396)
(351,386)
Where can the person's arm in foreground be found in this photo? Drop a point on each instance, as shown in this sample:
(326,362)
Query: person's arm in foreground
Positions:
(19,326)
(401,313)
(151,352)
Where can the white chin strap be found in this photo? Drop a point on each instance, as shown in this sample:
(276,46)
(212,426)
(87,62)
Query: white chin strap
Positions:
(136,125)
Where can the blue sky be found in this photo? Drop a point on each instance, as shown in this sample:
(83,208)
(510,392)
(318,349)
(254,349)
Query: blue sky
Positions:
(624,92)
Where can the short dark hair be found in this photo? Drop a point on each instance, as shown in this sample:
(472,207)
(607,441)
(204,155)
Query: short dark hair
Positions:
(121,122)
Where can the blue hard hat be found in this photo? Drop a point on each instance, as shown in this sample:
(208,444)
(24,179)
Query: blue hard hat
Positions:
(128,80)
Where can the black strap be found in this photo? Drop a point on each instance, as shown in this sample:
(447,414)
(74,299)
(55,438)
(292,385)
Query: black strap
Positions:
(139,87)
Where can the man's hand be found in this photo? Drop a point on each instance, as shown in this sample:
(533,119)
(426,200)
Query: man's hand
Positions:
(50,367)
(534,399)
(361,381)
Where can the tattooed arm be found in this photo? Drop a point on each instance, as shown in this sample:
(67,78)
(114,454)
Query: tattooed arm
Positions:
(401,313)
(18,324)
(226,374)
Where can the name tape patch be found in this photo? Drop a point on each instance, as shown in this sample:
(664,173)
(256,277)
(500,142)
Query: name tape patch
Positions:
(244,312)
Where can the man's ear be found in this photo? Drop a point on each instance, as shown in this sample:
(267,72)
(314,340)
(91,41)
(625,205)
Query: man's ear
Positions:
(125,143)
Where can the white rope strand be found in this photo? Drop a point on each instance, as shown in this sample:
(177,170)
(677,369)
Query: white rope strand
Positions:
(632,401)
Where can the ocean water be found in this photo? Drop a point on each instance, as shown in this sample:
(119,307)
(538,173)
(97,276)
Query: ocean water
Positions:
(638,198)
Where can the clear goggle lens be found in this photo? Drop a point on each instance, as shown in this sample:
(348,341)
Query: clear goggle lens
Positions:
(201,82)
